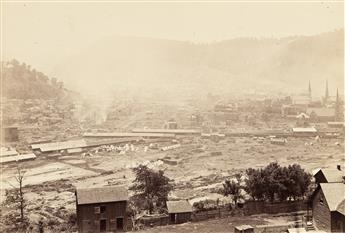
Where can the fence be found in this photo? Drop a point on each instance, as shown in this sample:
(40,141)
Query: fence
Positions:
(260,207)
(249,208)
(222,212)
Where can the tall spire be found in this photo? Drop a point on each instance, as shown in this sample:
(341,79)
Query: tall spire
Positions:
(309,90)
(338,111)
(337,100)
(327,93)
(326,98)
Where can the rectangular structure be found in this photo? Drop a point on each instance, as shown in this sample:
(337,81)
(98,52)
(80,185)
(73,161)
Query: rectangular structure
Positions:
(179,211)
(101,209)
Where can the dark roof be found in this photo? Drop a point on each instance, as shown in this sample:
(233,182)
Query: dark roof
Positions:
(101,195)
(179,206)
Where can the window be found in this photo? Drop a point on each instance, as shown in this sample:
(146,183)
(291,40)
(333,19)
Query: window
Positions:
(97,210)
(321,200)
(103,209)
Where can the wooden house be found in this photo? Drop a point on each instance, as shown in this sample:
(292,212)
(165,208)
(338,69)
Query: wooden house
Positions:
(328,207)
(179,211)
(101,209)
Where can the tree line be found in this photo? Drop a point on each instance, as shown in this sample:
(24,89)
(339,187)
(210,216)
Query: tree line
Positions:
(271,183)
(21,81)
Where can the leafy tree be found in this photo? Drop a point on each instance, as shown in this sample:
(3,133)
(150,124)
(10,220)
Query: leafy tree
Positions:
(277,182)
(151,187)
(233,189)
(298,181)
(254,184)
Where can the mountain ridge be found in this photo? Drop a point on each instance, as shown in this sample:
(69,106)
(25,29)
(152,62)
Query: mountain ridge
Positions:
(145,61)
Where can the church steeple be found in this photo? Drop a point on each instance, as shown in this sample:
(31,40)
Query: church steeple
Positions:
(337,100)
(326,98)
(338,108)
(326,92)
(309,90)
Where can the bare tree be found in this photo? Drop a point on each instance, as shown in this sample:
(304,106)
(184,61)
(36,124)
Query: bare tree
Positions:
(17,196)
(19,178)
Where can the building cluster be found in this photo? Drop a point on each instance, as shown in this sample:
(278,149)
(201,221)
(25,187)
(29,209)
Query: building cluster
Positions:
(105,210)
(306,110)
(328,201)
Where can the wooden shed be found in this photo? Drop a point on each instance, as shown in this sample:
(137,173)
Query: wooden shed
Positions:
(179,211)
(101,209)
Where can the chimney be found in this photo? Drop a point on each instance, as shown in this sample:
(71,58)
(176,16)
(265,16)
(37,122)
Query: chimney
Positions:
(339,167)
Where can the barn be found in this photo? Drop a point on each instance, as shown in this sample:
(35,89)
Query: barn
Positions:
(101,209)
(179,211)
(328,205)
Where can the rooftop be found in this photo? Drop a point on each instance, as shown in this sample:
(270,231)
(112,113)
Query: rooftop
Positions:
(334,194)
(53,146)
(244,227)
(128,135)
(101,195)
(179,206)
(304,130)
(332,175)
(341,207)
(17,158)
(171,131)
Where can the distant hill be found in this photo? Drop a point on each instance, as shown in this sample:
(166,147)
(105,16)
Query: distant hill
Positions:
(240,63)
(20,81)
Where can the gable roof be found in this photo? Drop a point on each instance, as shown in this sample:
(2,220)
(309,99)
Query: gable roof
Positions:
(341,207)
(332,175)
(101,195)
(179,207)
(334,194)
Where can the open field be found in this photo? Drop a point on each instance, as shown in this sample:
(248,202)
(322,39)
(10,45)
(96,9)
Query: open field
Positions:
(197,171)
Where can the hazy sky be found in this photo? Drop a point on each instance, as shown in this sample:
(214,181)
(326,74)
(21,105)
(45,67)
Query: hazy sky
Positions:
(41,34)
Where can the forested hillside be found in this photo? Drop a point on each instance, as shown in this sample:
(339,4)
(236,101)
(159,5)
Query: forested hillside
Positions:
(21,81)
(240,64)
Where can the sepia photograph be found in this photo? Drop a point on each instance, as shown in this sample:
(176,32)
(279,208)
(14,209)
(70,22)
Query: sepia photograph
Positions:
(172,116)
